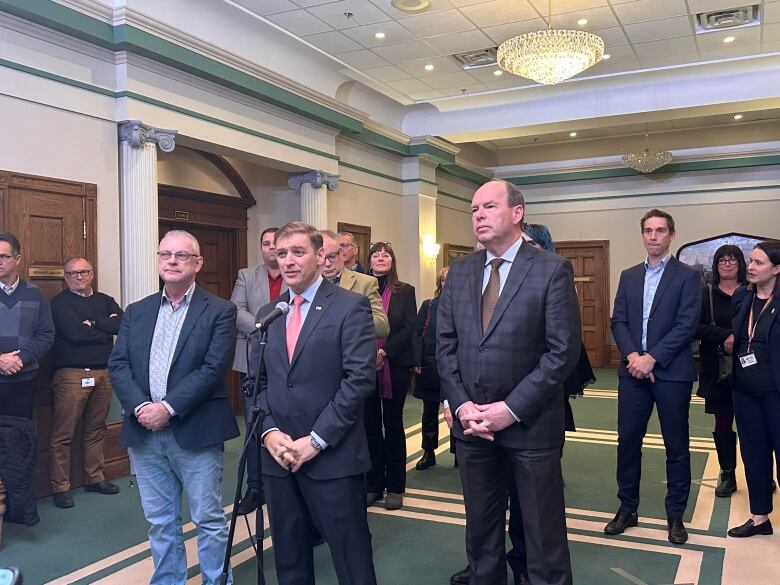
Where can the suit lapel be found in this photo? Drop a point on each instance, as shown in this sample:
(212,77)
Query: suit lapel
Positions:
(149,313)
(318,307)
(517,273)
(347,280)
(278,330)
(669,272)
(198,304)
(475,287)
(261,274)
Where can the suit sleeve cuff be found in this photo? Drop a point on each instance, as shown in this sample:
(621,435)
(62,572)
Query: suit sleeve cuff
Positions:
(319,439)
(517,418)
(446,403)
(139,407)
(169,408)
(262,437)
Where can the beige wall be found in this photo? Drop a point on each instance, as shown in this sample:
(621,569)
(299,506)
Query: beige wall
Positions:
(186,168)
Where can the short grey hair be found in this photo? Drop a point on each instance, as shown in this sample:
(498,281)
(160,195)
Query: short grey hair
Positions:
(350,235)
(329,234)
(183,234)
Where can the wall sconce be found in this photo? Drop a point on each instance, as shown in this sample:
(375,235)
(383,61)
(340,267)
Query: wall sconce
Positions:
(430,248)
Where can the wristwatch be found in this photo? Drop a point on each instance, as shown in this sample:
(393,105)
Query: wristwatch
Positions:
(315,443)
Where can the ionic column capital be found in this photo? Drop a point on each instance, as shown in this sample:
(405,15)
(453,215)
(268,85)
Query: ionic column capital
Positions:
(314,178)
(136,134)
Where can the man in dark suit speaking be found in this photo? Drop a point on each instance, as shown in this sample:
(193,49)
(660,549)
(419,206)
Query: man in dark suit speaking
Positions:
(318,370)
(508,335)
(168,370)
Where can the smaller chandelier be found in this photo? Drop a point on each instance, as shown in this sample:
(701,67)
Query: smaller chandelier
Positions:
(550,56)
(647,160)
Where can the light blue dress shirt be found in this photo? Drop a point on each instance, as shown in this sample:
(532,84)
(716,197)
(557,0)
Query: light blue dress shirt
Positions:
(11,288)
(652,278)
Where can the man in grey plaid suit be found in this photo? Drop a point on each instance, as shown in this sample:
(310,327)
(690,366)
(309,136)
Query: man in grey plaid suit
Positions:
(508,335)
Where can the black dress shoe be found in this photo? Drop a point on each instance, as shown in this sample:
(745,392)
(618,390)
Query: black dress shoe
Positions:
(461,577)
(522,579)
(102,487)
(751,529)
(248,503)
(677,532)
(64,500)
(427,460)
(620,522)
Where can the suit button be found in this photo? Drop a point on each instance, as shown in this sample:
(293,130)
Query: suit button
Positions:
(286,417)
(289,386)
(482,350)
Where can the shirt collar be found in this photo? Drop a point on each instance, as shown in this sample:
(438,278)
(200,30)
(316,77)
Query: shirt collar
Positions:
(661,264)
(509,255)
(310,292)
(10,290)
(185,300)
(85,295)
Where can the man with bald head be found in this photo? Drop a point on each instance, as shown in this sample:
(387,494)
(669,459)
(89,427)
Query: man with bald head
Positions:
(85,322)
(168,369)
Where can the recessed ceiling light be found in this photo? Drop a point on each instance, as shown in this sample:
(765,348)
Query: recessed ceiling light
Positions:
(498,73)
(738,117)
(582,21)
(572,134)
(429,67)
(411,5)
(379,35)
(606,56)
(728,40)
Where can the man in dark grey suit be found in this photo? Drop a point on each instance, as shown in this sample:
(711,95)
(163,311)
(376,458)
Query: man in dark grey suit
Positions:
(317,372)
(508,335)
(254,288)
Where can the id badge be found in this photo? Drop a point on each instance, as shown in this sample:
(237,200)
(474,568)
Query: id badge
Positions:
(748,359)
(87,382)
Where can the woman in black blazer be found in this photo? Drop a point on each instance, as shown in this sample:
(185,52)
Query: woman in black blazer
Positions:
(394,358)
(729,272)
(426,382)
(756,373)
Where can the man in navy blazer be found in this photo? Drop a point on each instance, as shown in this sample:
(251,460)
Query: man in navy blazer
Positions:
(656,310)
(168,370)
(318,369)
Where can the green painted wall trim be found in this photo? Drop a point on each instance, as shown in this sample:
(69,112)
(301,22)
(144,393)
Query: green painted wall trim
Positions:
(431,153)
(464,174)
(383,175)
(451,196)
(704,165)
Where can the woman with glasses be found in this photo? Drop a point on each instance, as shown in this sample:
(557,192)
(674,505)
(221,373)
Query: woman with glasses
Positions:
(715,355)
(756,371)
(394,358)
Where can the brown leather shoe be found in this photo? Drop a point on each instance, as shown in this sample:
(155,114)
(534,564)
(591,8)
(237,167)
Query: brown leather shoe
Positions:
(393,501)
(63,500)
(102,487)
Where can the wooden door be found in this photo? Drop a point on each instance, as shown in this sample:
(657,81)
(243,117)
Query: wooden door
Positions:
(590,260)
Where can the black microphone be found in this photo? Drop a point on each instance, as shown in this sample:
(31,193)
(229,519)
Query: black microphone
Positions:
(281,309)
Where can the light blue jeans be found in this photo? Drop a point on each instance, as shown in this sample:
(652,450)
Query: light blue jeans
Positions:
(163,469)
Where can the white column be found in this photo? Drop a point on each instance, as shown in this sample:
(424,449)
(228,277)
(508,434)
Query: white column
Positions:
(314,187)
(139,207)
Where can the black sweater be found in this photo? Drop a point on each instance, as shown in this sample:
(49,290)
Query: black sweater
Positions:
(78,345)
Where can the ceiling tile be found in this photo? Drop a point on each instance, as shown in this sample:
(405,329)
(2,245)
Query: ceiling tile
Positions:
(730,52)
(668,28)
(460,3)
(265,7)
(771,46)
(362,13)
(459,79)
(410,86)
(620,54)
(498,12)
(299,22)
(467,41)
(612,36)
(771,12)
(644,10)
(333,42)
(394,33)
(424,95)
(470,88)
(771,32)
(307,3)
(387,73)
(605,67)
(437,23)
(435,6)
(406,51)
(713,41)
(487,74)
(709,5)
(509,81)
(664,48)
(362,59)
(440,65)
(506,31)
(561,6)
(601,17)
(670,60)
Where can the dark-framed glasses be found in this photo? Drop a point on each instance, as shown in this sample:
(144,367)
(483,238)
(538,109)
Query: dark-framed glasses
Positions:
(78,273)
(727,261)
(180,256)
(332,257)
(6,257)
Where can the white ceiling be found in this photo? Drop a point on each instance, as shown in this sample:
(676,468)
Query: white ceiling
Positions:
(639,34)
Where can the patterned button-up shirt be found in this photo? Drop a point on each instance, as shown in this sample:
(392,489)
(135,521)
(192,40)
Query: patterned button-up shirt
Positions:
(10,288)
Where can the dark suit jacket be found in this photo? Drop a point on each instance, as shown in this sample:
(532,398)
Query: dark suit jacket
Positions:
(742,301)
(671,327)
(196,380)
(401,314)
(323,389)
(528,350)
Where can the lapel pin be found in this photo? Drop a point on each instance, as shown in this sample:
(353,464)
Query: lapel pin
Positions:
(317,308)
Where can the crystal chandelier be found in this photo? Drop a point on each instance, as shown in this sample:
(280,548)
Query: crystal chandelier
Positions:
(647,160)
(550,56)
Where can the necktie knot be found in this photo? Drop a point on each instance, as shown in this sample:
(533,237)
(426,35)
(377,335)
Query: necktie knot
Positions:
(495,263)
(491,293)
(298,300)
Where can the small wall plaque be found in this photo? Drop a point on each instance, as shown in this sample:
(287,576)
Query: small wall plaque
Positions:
(46,272)
(181,215)
(583,279)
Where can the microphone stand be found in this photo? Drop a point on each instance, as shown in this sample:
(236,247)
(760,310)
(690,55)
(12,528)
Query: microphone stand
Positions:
(257,418)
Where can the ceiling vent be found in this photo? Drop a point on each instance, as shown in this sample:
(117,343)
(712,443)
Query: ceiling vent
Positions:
(725,19)
(477,59)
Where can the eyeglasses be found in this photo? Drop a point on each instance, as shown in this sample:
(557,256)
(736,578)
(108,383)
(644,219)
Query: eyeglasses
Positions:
(378,243)
(6,257)
(332,257)
(79,273)
(725,261)
(180,256)
(345,245)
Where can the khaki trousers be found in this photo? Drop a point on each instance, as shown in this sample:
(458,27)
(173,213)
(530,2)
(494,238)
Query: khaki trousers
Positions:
(71,403)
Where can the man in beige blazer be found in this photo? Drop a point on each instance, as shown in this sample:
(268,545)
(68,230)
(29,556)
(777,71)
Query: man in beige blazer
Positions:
(334,271)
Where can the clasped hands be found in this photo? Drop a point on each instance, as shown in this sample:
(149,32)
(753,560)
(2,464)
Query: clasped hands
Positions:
(641,366)
(10,363)
(154,416)
(290,454)
(484,420)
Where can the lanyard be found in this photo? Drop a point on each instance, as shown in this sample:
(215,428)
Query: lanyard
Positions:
(753,326)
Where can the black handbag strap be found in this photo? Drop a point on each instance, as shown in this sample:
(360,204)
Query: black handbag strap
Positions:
(712,308)
(427,320)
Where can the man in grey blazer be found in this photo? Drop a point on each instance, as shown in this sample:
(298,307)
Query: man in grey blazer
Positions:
(508,335)
(254,288)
